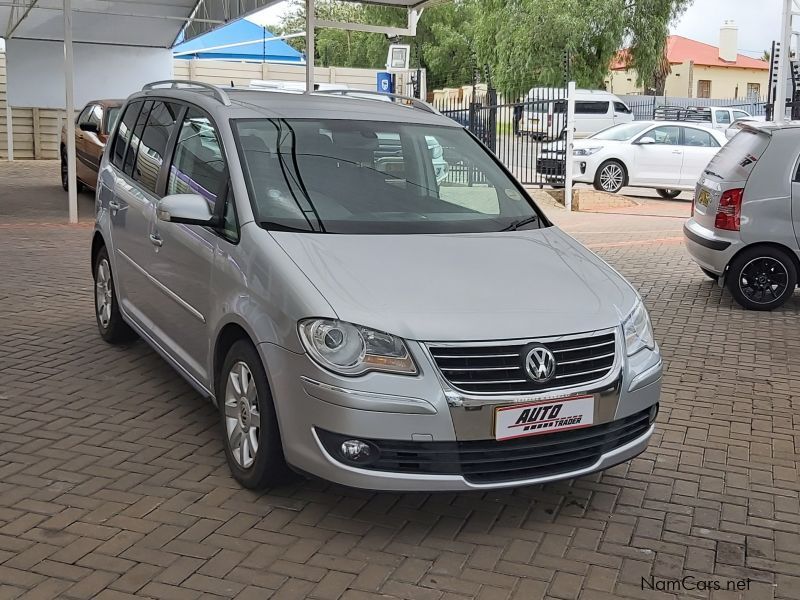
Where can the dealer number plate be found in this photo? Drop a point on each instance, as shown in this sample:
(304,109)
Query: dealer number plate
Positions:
(535,418)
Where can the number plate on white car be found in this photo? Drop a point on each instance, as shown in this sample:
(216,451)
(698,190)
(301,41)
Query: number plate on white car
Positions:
(535,418)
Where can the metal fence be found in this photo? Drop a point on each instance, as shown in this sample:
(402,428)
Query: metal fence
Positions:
(527,135)
(644,107)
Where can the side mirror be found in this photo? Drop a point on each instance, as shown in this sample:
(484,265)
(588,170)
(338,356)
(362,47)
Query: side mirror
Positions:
(188,209)
(90,127)
(646,140)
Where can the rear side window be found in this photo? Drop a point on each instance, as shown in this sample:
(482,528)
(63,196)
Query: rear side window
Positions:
(736,159)
(591,108)
(698,138)
(198,166)
(124,133)
(161,123)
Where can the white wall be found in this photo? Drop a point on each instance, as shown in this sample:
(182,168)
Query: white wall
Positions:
(35,71)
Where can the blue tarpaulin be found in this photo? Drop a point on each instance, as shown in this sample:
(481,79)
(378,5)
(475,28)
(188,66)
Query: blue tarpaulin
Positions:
(241,40)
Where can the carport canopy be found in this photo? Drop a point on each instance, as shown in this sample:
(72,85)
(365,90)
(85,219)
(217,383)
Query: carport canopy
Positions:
(151,24)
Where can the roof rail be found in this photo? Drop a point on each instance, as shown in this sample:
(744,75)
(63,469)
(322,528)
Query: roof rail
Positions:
(415,102)
(217,92)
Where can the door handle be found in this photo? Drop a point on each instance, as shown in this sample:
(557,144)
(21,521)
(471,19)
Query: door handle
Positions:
(677,151)
(113,205)
(156,240)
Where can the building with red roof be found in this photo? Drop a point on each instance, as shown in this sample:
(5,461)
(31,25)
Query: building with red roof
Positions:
(699,70)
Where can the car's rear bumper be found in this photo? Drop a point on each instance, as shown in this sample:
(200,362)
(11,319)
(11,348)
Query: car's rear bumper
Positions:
(708,248)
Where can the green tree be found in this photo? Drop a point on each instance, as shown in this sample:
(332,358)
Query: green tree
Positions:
(523,42)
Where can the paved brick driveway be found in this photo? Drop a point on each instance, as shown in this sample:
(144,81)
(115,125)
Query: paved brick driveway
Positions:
(113,482)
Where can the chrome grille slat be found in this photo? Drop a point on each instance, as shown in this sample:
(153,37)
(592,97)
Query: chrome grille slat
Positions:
(468,369)
(498,368)
(580,360)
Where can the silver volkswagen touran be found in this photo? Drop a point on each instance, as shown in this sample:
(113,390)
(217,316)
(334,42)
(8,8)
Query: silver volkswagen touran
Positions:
(357,310)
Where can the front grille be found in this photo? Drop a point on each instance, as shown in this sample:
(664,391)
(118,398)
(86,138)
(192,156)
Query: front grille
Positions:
(551,166)
(500,368)
(490,461)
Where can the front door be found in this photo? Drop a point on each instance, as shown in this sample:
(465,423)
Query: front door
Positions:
(183,257)
(659,162)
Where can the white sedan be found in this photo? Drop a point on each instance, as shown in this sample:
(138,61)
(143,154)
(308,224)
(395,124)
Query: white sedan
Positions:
(668,156)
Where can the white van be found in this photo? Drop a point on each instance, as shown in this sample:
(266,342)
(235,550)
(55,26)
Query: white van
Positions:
(544,113)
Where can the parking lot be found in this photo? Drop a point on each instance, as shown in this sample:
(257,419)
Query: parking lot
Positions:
(113,482)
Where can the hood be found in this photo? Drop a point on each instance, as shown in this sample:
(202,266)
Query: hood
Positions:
(593,143)
(463,287)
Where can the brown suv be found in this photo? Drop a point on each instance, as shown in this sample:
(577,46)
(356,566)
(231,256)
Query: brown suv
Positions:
(93,125)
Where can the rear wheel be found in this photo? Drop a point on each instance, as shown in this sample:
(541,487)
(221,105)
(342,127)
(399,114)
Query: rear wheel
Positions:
(762,278)
(611,177)
(668,194)
(110,324)
(65,174)
(249,423)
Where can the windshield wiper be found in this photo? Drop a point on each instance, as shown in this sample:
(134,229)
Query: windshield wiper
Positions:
(273,226)
(517,224)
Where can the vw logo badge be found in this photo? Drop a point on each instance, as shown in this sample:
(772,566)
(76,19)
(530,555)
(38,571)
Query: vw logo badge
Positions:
(540,364)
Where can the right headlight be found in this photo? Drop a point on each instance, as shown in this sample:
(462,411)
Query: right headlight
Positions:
(638,330)
(349,349)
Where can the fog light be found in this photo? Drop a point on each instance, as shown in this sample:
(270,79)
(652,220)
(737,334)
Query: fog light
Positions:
(653,413)
(356,450)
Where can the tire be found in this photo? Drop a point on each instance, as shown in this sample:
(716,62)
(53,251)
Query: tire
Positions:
(669,194)
(65,175)
(110,323)
(762,278)
(710,274)
(611,177)
(252,409)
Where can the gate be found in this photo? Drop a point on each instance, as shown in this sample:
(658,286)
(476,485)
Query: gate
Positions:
(528,136)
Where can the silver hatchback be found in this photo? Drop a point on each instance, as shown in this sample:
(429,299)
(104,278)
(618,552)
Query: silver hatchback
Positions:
(356,310)
(745,224)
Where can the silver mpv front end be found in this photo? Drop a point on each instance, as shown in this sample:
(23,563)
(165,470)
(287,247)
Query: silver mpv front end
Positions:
(436,432)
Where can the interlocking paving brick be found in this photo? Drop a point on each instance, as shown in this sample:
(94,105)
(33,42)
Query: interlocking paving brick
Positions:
(113,483)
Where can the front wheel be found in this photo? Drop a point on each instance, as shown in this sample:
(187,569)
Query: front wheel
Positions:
(611,177)
(252,440)
(65,175)
(669,194)
(762,278)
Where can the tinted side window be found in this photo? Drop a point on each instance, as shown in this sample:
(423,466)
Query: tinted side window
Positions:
(740,114)
(124,133)
(621,108)
(95,116)
(722,116)
(83,117)
(133,147)
(669,135)
(198,166)
(160,124)
(591,108)
(698,138)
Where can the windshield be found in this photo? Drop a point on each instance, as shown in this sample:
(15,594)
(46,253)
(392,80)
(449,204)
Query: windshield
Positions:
(369,177)
(621,133)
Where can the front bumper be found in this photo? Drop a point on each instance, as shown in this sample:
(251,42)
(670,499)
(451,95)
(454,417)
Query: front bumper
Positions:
(708,248)
(423,414)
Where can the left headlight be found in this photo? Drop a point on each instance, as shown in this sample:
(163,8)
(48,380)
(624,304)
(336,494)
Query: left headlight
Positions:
(585,151)
(349,349)
(638,330)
